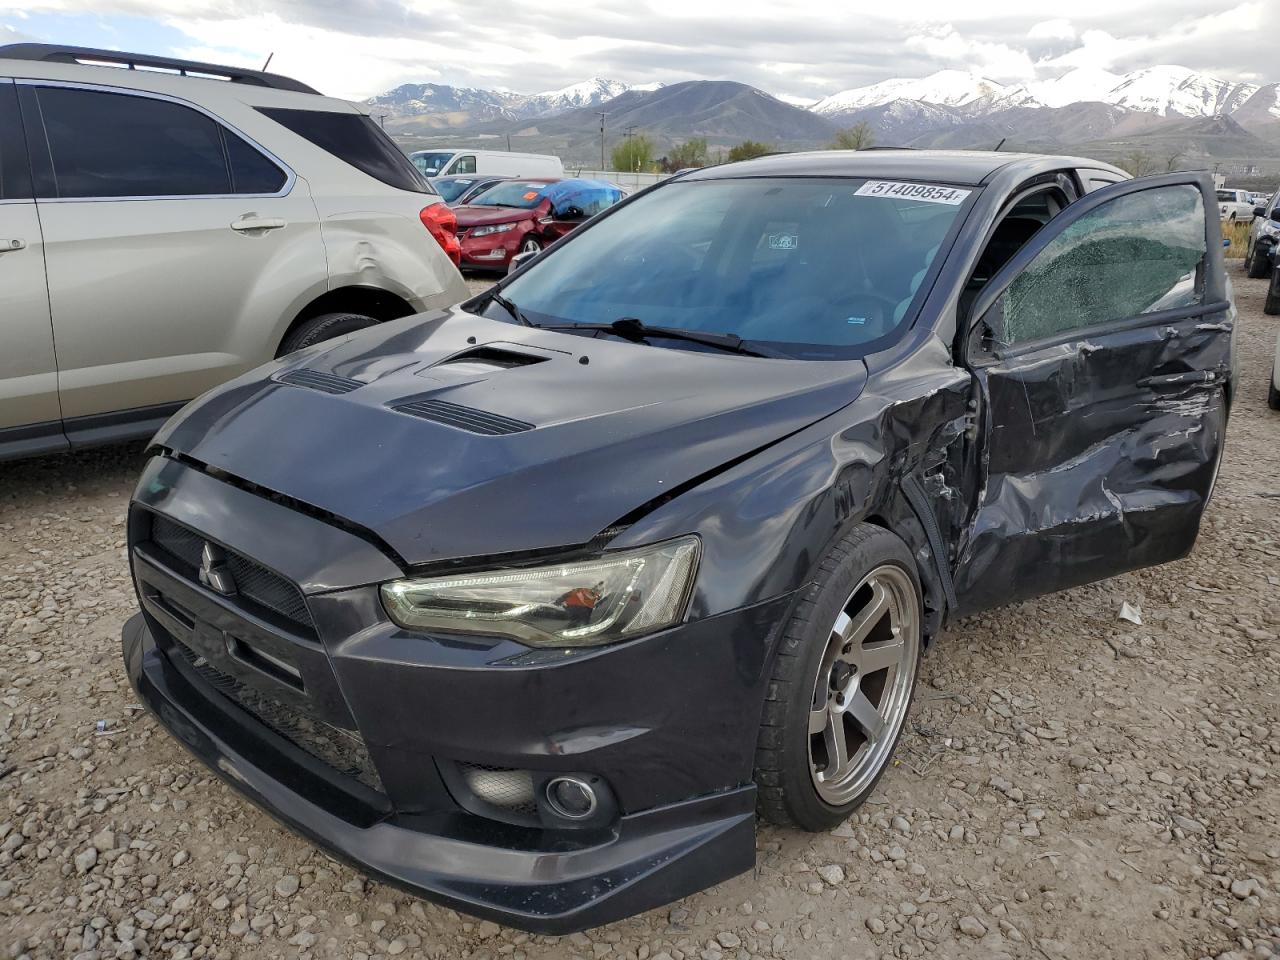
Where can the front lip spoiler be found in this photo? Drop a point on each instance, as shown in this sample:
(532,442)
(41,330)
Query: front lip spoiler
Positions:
(656,856)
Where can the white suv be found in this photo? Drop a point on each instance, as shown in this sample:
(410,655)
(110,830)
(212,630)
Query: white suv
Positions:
(166,225)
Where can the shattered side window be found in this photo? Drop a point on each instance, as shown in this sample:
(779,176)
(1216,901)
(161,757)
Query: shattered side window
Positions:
(1136,254)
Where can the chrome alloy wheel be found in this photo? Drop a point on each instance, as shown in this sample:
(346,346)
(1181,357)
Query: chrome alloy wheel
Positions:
(863,685)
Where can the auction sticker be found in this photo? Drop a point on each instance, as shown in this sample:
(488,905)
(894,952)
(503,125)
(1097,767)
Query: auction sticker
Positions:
(928,192)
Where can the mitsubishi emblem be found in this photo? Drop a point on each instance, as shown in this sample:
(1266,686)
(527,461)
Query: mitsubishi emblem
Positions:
(214,572)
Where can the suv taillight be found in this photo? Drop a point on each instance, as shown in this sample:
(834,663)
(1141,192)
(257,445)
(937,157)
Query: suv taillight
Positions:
(443,225)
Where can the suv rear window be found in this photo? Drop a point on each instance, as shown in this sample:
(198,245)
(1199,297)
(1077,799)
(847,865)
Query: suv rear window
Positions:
(354,139)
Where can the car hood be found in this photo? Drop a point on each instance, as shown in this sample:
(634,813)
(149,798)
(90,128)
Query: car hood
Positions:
(513,438)
(472,216)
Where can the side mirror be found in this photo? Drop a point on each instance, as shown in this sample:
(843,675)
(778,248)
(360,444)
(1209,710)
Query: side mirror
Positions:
(520,259)
(986,330)
(1259,211)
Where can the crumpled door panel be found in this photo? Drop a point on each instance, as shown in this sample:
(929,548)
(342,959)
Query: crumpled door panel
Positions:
(1100,455)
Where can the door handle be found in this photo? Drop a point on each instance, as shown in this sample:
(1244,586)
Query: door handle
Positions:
(250,224)
(7,245)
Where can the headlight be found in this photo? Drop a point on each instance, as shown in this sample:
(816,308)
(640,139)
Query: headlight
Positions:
(493,228)
(1270,229)
(583,604)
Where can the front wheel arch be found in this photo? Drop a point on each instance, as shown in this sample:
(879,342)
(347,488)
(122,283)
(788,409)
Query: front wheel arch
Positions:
(381,305)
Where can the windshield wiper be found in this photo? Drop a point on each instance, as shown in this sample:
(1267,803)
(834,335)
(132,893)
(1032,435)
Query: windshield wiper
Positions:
(637,331)
(496,296)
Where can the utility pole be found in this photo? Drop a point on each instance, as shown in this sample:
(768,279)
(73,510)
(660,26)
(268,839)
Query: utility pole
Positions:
(631,132)
(382,120)
(602,116)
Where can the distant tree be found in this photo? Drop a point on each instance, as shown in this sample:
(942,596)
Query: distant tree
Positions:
(748,149)
(858,137)
(691,153)
(633,154)
(1173,160)
(1137,162)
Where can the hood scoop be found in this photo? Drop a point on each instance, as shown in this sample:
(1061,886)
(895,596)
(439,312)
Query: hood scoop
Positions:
(489,358)
(319,380)
(455,415)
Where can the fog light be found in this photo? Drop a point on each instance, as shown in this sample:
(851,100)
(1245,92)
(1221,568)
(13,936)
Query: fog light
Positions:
(508,789)
(571,797)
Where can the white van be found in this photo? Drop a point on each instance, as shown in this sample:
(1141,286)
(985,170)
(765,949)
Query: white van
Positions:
(499,163)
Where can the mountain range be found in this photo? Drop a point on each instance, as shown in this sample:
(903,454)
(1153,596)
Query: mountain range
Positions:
(1191,117)
(440,105)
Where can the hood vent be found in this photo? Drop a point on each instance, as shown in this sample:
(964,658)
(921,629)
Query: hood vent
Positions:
(319,380)
(462,418)
(495,357)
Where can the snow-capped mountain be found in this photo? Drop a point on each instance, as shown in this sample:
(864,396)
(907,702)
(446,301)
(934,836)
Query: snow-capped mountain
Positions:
(583,94)
(1166,90)
(948,88)
(444,105)
(1161,90)
(1081,85)
(416,99)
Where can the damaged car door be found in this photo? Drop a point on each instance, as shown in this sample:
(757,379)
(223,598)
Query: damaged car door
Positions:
(1101,356)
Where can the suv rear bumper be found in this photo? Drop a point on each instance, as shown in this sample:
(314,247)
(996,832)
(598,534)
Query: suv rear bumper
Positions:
(647,859)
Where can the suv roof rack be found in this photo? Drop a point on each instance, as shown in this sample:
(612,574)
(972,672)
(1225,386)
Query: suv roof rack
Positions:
(55,53)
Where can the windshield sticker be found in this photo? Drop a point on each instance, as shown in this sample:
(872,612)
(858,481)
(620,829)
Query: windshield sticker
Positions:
(531,194)
(928,192)
(783,241)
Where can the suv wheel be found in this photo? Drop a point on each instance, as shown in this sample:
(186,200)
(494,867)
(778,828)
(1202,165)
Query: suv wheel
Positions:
(841,684)
(1271,306)
(1255,267)
(324,327)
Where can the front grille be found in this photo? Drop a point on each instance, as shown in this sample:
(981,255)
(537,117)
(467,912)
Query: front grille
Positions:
(343,751)
(254,582)
(463,418)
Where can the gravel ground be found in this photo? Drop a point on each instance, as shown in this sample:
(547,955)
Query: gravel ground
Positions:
(1071,784)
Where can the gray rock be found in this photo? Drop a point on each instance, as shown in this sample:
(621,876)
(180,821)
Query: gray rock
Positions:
(971,926)
(86,859)
(287,886)
(832,873)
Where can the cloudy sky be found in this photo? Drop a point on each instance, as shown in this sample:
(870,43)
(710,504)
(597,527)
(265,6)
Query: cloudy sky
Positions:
(356,48)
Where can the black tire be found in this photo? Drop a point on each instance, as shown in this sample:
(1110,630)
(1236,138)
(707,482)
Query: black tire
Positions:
(786,792)
(1273,395)
(324,327)
(1271,306)
(530,244)
(1255,267)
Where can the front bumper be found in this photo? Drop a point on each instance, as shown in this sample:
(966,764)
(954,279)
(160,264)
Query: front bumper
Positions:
(652,858)
(345,728)
(492,251)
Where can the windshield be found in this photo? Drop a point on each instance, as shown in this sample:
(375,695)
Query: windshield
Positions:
(451,188)
(431,163)
(524,194)
(817,269)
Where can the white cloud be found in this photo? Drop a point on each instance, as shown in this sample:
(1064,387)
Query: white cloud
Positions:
(1052,30)
(356,48)
(996,60)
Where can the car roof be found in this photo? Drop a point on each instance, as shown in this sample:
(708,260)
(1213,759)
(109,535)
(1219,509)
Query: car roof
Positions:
(967,167)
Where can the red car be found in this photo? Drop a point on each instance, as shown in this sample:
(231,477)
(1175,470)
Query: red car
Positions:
(524,215)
